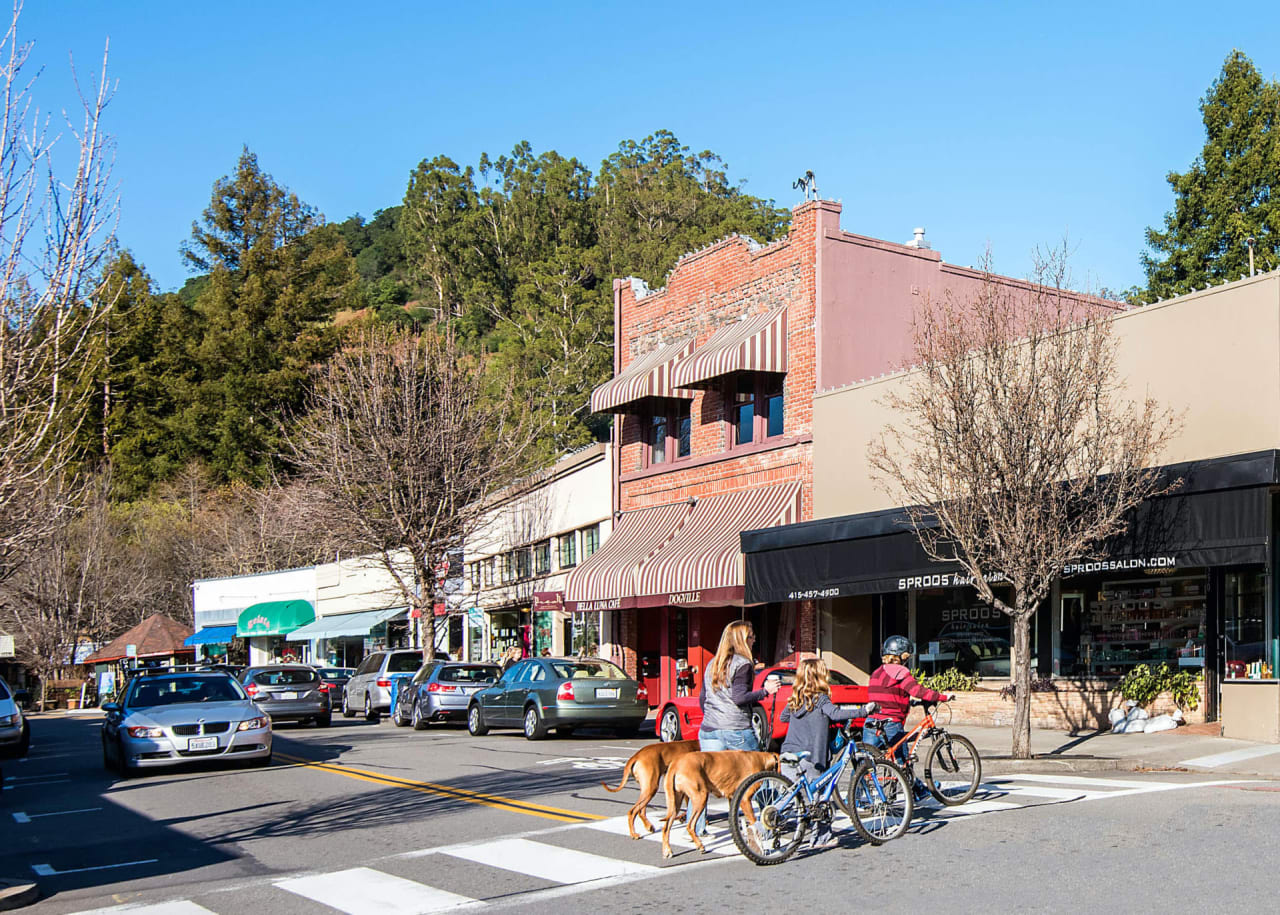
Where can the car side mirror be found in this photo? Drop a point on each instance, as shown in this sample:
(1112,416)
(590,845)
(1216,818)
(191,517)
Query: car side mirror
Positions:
(110,707)
(490,679)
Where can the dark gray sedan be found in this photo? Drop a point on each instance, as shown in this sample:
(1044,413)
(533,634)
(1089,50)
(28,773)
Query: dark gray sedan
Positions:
(562,693)
(440,691)
(289,692)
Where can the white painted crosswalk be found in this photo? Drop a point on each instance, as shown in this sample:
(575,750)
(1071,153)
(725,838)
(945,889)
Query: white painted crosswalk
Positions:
(562,860)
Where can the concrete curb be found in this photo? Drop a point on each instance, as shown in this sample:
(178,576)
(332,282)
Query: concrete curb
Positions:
(14,894)
(1047,765)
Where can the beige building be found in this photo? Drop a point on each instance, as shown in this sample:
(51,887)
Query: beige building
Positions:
(1204,600)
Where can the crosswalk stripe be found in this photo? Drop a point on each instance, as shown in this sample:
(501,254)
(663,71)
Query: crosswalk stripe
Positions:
(1231,756)
(548,862)
(1083,781)
(365,891)
(969,809)
(1009,788)
(178,907)
(717,841)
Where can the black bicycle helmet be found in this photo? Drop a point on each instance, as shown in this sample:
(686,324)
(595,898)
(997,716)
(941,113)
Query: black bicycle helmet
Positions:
(898,645)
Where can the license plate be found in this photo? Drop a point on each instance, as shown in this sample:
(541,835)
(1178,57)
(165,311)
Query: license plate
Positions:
(607,693)
(288,695)
(202,743)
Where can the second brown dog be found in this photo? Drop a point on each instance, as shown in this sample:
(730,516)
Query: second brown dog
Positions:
(649,764)
(699,776)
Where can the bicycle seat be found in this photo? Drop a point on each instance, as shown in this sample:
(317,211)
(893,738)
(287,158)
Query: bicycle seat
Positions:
(794,758)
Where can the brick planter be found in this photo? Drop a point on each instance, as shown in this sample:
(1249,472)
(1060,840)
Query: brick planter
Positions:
(1071,707)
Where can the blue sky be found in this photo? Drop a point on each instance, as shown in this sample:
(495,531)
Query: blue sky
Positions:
(1000,124)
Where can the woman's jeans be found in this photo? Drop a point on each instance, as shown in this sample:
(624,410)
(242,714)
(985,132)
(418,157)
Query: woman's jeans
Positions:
(710,741)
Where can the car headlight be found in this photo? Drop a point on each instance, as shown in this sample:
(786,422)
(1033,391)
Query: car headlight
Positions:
(145,732)
(6,720)
(252,724)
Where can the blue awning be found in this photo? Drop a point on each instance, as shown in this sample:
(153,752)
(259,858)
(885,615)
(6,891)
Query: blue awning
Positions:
(346,625)
(211,635)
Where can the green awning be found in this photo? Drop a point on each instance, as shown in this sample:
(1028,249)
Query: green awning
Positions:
(274,617)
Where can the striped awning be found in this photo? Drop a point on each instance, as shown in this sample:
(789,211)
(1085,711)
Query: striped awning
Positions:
(607,580)
(703,563)
(757,343)
(647,376)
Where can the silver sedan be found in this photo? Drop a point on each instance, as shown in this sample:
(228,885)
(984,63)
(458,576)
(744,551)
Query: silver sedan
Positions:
(169,718)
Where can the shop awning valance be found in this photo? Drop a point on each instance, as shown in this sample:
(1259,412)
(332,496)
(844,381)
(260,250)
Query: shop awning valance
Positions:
(757,343)
(344,625)
(647,376)
(211,635)
(274,617)
(703,563)
(607,580)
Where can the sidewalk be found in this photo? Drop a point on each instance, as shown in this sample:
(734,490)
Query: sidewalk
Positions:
(1183,749)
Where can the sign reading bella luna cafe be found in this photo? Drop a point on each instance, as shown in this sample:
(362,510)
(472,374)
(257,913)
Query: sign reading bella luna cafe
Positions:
(961,579)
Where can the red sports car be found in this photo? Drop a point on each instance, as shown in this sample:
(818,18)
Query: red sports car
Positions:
(680,718)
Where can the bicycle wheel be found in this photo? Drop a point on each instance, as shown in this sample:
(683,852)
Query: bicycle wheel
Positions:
(776,824)
(952,769)
(879,800)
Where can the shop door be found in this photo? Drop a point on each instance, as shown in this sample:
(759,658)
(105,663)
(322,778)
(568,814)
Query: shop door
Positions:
(649,649)
(1067,662)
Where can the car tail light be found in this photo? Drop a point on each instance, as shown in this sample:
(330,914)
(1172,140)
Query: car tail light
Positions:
(324,687)
(565,692)
(252,690)
(441,688)
(642,694)
(384,683)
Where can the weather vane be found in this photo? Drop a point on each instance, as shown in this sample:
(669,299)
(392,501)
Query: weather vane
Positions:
(806,183)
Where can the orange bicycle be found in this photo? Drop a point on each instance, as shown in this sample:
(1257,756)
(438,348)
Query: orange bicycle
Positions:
(952,766)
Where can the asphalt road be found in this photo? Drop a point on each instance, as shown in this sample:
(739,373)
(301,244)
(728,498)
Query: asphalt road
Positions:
(369,818)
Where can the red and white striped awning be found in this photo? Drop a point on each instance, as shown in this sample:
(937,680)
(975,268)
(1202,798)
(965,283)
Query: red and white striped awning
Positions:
(607,579)
(755,344)
(647,376)
(702,565)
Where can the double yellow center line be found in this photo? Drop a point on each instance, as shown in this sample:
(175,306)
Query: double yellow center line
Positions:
(458,794)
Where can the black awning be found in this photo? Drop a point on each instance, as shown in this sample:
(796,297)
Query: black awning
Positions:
(878,552)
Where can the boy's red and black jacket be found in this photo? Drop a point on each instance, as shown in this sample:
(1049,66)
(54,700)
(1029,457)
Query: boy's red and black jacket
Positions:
(893,687)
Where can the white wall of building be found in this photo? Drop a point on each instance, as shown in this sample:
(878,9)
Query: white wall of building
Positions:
(218,601)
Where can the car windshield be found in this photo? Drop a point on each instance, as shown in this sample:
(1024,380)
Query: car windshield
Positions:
(335,673)
(404,663)
(287,676)
(587,670)
(471,673)
(150,692)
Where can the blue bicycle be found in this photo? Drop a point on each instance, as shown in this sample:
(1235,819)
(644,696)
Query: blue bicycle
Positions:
(770,814)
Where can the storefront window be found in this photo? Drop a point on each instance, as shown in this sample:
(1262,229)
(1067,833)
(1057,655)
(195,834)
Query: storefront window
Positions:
(1143,621)
(507,629)
(586,634)
(1244,626)
(954,628)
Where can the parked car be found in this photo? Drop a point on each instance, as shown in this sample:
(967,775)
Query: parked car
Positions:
(15,729)
(441,691)
(168,718)
(369,689)
(289,692)
(337,678)
(562,693)
(681,717)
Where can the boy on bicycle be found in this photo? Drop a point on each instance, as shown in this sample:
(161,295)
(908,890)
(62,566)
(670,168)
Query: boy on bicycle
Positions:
(892,687)
(809,714)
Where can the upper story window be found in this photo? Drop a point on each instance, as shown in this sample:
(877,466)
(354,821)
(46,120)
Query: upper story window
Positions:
(542,558)
(569,550)
(669,433)
(755,408)
(490,565)
(590,540)
(475,576)
(508,567)
(524,562)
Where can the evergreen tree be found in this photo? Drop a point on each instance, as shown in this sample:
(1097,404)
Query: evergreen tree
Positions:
(277,274)
(1226,196)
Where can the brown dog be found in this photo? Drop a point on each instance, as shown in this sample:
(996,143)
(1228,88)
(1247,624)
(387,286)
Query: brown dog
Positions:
(648,765)
(698,776)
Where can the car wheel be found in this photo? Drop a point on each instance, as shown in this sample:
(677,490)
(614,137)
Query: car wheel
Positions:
(419,723)
(762,727)
(669,726)
(370,713)
(347,710)
(534,729)
(397,718)
(123,767)
(24,744)
(475,722)
(107,762)
(324,720)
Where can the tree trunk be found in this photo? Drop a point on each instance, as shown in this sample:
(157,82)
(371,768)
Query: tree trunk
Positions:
(428,620)
(1022,686)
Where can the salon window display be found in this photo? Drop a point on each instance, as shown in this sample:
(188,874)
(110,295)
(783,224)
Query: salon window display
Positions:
(1144,621)
(956,629)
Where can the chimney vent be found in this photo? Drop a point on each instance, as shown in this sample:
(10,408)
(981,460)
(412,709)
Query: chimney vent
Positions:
(918,241)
